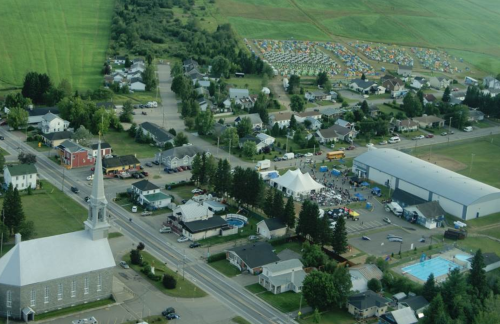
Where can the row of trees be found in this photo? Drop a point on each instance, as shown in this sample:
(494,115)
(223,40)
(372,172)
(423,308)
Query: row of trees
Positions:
(13,219)
(489,105)
(275,207)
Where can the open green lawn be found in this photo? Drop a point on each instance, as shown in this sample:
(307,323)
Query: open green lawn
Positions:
(336,316)
(240,320)
(285,302)
(67,39)
(123,144)
(471,244)
(226,268)
(74,309)
(251,82)
(294,246)
(184,192)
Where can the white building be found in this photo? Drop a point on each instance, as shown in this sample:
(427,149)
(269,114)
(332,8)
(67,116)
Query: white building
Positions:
(192,212)
(283,276)
(282,119)
(21,176)
(137,85)
(266,139)
(458,195)
(295,183)
(149,194)
(179,156)
(271,228)
(235,93)
(52,123)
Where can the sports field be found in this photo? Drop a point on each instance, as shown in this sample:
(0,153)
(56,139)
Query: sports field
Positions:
(65,38)
(468,28)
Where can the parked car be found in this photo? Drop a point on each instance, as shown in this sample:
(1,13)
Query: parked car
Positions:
(419,137)
(277,159)
(182,239)
(135,175)
(319,153)
(75,190)
(146,213)
(169,310)
(350,148)
(92,169)
(144,113)
(2,138)
(194,245)
(189,167)
(165,229)
(341,149)
(180,169)
(444,133)
(124,265)
(134,209)
(172,316)
(195,191)
(149,164)
(253,237)
(429,136)
(87,199)
(145,173)
(155,162)
(382,143)
(308,154)
(387,220)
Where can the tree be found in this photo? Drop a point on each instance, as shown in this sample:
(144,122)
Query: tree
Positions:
(454,293)
(318,290)
(179,85)
(204,122)
(313,256)
(327,86)
(412,106)
(13,210)
(224,178)
(65,88)
(27,229)
(180,139)
(172,131)
(176,69)
(265,80)
(244,127)
(297,103)
(278,206)
(135,257)
(35,86)
(429,291)
(275,131)
(293,122)
(17,118)
(220,66)
(230,137)
(436,312)
(249,148)
(16,100)
(289,213)
(342,283)
(321,78)
(420,97)
(149,78)
(126,114)
(169,281)
(128,62)
(491,312)
(26,158)
(446,95)
(197,169)
(324,234)
(269,202)
(477,277)
(339,237)
(293,84)
(363,77)
(316,316)
(211,89)
(365,108)
(83,136)
(374,285)
(101,121)
(149,58)
(308,224)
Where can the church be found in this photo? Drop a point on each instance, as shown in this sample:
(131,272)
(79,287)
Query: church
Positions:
(60,271)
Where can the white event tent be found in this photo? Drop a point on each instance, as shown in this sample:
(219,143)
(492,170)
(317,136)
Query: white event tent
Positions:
(295,183)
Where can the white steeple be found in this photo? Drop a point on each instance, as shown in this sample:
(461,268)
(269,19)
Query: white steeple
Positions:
(97,222)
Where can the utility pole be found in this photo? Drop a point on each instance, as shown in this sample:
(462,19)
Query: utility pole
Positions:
(183,263)
(471,162)
(449,130)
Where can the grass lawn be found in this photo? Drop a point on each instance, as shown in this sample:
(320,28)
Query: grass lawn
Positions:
(251,82)
(42,148)
(285,302)
(74,309)
(127,205)
(240,320)
(137,98)
(483,221)
(157,319)
(471,244)
(67,39)
(336,316)
(3,152)
(123,144)
(114,235)
(388,110)
(255,288)
(184,288)
(183,191)
(226,268)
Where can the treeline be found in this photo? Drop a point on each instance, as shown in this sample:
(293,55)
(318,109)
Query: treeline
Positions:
(489,105)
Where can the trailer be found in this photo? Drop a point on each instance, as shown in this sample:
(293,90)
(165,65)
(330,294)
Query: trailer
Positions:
(263,165)
(454,234)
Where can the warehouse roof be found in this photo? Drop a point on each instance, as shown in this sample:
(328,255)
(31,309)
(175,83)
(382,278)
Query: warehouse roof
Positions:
(442,182)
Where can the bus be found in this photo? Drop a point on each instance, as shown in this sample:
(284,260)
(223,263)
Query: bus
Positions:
(335,155)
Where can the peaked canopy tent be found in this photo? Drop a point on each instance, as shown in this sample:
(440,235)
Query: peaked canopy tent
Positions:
(295,183)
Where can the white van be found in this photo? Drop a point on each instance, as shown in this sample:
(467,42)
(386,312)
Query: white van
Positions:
(394,139)
(288,156)
(394,208)
(468,129)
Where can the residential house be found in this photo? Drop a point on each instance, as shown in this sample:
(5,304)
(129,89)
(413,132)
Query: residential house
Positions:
(363,86)
(374,110)
(227,104)
(283,276)
(491,92)
(249,138)
(282,119)
(194,75)
(205,84)
(418,83)
(367,304)
(336,133)
(192,212)
(386,77)
(189,65)
(457,97)
(52,123)
(252,257)
(490,82)
(417,304)
(138,67)
(118,77)
(108,105)
(136,84)
(132,75)
(400,316)
(159,134)
(74,155)
(179,156)
(202,229)
(406,125)
(491,261)
(202,102)
(317,95)
(344,123)
(35,114)
(105,149)
(245,103)
(380,90)
(235,93)
(55,139)
(361,274)
(301,117)
(214,206)
(475,115)
(21,176)
(405,70)
(430,99)
(315,124)
(138,60)
(427,214)
(393,84)
(332,112)
(120,60)
(254,119)
(266,139)
(200,91)
(271,228)
(439,82)
(429,121)
(149,195)
(108,80)
(470,81)
(120,164)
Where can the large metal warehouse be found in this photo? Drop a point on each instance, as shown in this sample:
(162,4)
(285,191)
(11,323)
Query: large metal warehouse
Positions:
(458,195)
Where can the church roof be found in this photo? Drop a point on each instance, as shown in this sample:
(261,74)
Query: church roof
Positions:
(54,257)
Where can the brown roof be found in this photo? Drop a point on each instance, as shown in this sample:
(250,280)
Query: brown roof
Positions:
(309,114)
(282,116)
(406,123)
(430,97)
(428,119)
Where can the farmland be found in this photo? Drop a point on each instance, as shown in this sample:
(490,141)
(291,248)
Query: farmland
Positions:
(66,39)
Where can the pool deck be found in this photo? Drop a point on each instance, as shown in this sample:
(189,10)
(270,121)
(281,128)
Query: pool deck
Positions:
(449,256)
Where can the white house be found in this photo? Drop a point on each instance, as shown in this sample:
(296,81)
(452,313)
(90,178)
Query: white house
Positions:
(254,119)
(282,119)
(283,276)
(214,206)
(192,212)
(405,70)
(439,82)
(301,117)
(418,83)
(21,176)
(139,66)
(315,123)
(120,60)
(179,156)
(52,123)
(363,86)
(149,194)
(259,145)
(406,125)
(266,139)
(361,274)
(271,228)
(235,93)
(491,82)
(252,257)
(137,85)
(317,95)
(344,123)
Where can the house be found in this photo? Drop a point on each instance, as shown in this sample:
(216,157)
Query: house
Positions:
(118,77)
(344,123)
(120,164)
(149,195)
(380,90)
(417,304)
(52,123)
(418,83)
(406,125)
(386,77)
(475,115)
(192,212)
(132,75)
(21,176)
(283,276)
(136,84)
(245,103)
(317,96)
(108,105)
(282,119)
(105,149)
(254,119)
(361,274)
(201,229)
(315,124)
(138,60)
(439,82)
(491,261)
(366,304)
(427,214)
(336,133)
(35,115)
(235,93)
(400,316)
(266,139)
(194,75)
(470,81)
(429,121)
(159,134)
(393,84)
(331,112)
(374,110)
(139,66)
(71,269)
(405,70)
(120,60)
(74,155)
(179,156)
(430,99)
(300,117)
(214,206)
(252,257)
(271,228)
(205,84)
(491,92)
(363,86)
(258,143)
(55,139)
(491,82)
(189,65)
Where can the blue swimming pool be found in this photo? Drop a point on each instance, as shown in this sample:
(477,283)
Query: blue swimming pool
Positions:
(436,266)
(235,222)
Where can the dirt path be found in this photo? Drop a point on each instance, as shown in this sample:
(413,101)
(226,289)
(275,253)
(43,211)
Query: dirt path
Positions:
(443,161)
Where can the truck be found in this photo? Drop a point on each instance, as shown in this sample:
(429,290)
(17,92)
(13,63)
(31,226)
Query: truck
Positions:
(288,156)
(263,165)
(394,208)
(454,234)
(335,155)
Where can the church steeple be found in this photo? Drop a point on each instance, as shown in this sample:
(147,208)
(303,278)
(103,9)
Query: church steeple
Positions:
(97,222)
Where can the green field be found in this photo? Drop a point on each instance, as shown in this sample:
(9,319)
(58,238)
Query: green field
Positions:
(123,144)
(67,39)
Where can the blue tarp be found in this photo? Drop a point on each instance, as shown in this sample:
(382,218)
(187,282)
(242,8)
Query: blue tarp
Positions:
(323,169)
(273,175)
(376,191)
(365,184)
(341,161)
(360,196)
(336,172)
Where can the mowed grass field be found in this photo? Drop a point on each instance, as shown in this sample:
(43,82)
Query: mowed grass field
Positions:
(65,38)
(468,29)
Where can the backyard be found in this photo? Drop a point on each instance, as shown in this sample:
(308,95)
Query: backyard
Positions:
(336,316)
(123,144)
(286,302)
(226,268)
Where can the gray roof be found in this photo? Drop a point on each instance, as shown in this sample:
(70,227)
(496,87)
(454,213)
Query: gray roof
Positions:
(364,84)
(120,161)
(431,209)
(159,134)
(249,138)
(71,147)
(405,67)
(182,151)
(279,266)
(331,111)
(441,181)
(490,258)
(404,316)
(214,204)
(366,300)
(21,169)
(49,117)
(104,145)
(205,224)
(238,93)
(254,118)
(145,185)
(428,119)
(274,224)
(58,135)
(40,111)
(256,254)
(416,302)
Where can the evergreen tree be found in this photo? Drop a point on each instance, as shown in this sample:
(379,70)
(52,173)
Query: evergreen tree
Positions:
(149,78)
(269,202)
(289,213)
(244,127)
(275,131)
(196,167)
(293,122)
(420,97)
(308,224)
(13,210)
(430,290)
(238,187)
(477,277)
(278,206)
(446,95)
(339,237)
(363,77)
(341,279)
(325,232)
(223,177)
(321,78)
(365,108)
(180,139)
(436,312)
(454,294)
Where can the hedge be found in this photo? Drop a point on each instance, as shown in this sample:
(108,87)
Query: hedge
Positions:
(216,257)
(179,184)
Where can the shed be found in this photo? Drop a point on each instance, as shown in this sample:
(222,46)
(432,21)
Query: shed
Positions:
(271,228)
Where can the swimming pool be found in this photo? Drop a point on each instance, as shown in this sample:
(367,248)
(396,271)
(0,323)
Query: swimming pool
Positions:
(235,222)
(436,266)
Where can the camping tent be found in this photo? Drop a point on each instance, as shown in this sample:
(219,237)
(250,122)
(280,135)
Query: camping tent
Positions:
(365,184)
(295,183)
(360,197)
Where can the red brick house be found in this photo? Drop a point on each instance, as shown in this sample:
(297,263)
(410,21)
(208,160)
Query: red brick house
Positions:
(74,155)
